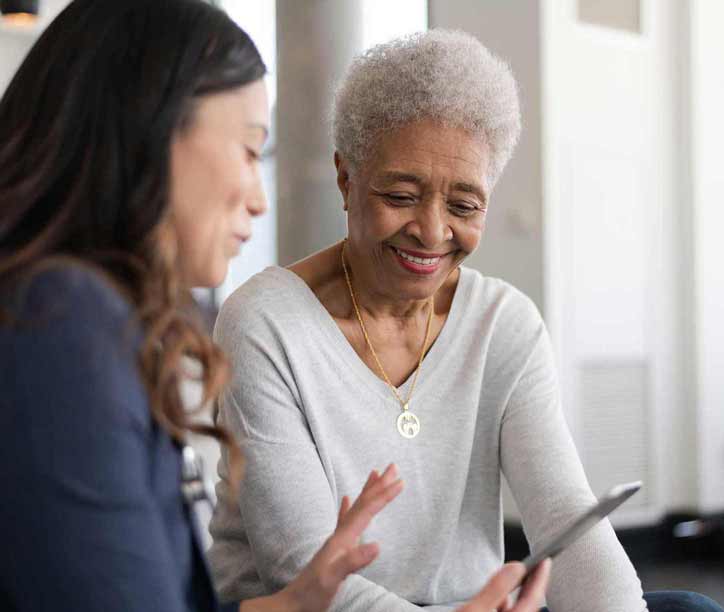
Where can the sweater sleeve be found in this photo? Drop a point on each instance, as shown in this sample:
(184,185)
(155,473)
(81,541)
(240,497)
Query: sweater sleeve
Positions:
(79,525)
(287,508)
(547,480)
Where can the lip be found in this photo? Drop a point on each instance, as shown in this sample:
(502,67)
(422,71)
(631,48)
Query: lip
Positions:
(241,237)
(415,268)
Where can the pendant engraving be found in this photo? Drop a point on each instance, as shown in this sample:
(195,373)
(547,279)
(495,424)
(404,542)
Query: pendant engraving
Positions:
(408,424)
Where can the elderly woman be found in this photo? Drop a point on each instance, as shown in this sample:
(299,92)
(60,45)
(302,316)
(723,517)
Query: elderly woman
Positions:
(383,348)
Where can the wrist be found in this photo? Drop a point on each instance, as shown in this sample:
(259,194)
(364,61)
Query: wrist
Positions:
(282,601)
(286,600)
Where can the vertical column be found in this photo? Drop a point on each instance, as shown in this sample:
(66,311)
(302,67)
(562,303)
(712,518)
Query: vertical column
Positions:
(316,39)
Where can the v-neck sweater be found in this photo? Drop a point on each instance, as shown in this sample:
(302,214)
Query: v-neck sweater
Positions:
(313,420)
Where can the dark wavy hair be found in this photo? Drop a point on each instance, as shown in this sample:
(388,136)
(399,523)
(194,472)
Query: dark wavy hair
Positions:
(86,127)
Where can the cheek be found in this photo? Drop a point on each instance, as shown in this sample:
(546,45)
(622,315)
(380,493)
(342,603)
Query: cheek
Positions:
(468,234)
(206,184)
(379,221)
(203,245)
(217,176)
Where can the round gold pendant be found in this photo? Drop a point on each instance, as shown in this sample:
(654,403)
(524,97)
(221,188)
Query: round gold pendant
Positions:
(408,424)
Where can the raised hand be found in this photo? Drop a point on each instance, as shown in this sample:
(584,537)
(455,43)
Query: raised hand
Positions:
(341,555)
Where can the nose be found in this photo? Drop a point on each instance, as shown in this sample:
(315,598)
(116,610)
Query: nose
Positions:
(430,225)
(251,192)
(256,203)
(251,202)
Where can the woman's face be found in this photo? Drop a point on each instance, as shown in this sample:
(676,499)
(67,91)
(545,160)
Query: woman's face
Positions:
(416,209)
(215,181)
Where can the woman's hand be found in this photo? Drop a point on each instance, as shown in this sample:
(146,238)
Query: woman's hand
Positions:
(496,594)
(341,555)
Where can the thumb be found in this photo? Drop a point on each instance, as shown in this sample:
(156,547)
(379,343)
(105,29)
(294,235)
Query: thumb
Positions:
(495,592)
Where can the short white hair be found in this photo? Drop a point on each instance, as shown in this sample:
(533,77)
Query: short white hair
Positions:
(442,75)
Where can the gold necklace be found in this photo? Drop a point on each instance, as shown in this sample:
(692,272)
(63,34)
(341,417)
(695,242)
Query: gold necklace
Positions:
(408,424)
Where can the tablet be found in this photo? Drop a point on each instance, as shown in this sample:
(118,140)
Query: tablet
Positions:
(607,504)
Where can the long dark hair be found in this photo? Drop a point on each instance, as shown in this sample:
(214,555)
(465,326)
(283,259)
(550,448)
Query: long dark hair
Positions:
(86,127)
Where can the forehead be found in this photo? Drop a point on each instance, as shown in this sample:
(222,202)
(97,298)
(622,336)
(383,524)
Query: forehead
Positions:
(431,151)
(241,108)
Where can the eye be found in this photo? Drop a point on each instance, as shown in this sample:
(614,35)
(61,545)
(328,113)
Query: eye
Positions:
(400,199)
(252,154)
(464,209)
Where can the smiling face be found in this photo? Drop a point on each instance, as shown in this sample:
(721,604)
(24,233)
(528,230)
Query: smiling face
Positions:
(416,209)
(215,186)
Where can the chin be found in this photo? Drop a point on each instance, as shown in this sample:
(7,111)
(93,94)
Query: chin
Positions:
(217,280)
(212,278)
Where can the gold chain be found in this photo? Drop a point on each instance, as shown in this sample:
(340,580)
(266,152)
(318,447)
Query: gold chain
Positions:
(406,402)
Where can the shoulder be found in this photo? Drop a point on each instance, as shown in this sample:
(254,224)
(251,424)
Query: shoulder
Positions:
(68,294)
(268,299)
(493,301)
(506,325)
(73,340)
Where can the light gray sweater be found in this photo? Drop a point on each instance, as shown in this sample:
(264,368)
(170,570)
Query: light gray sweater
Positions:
(313,420)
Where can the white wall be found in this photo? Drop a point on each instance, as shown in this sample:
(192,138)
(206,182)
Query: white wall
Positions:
(611,110)
(707,136)
(612,242)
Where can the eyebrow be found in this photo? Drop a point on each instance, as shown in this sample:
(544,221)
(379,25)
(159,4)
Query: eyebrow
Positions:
(401,177)
(470,188)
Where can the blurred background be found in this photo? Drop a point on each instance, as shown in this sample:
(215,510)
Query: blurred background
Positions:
(609,217)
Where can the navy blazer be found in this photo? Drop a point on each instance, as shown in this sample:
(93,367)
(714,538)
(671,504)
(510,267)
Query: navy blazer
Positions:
(91,511)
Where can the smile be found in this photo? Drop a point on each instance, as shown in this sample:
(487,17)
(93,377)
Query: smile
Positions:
(421,261)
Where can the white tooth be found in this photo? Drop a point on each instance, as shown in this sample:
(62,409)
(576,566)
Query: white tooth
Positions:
(418,260)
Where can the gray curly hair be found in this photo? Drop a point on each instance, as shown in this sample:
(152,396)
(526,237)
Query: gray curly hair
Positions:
(443,75)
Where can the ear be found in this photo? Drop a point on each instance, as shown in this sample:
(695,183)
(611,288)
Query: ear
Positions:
(342,177)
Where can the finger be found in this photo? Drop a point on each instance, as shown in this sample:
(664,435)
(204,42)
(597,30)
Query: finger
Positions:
(376,485)
(380,480)
(497,589)
(534,588)
(371,479)
(343,509)
(507,604)
(360,516)
(366,508)
(389,475)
